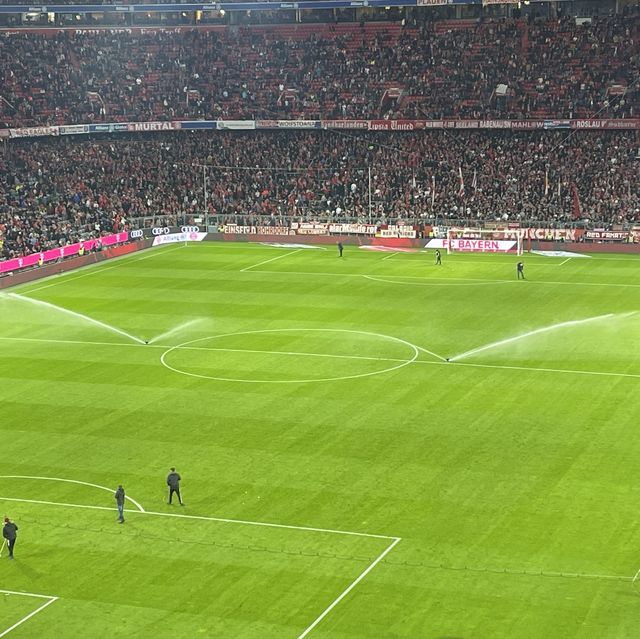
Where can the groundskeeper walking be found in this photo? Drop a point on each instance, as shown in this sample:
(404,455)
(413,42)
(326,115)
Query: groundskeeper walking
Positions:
(173,481)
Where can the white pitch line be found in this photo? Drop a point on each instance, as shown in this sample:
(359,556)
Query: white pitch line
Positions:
(535,369)
(61,279)
(60,503)
(388,256)
(26,594)
(325,612)
(270,525)
(351,586)
(438,281)
(294,353)
(424,350)
(79,342)
(27,617)
(565,261)
(73,481)
(225,350)
(273,259)
(403,363)
(390,359)
(223,520)
(452,279)
(204,348)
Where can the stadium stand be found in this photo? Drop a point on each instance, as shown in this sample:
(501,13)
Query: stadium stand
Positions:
(487,69)
(56,191)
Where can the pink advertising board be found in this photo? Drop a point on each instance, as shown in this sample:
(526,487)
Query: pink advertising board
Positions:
(50,255)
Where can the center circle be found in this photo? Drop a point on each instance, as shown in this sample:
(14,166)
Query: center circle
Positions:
(257,350)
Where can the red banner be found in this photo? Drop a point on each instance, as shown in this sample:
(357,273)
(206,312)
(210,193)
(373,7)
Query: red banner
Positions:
(395,125)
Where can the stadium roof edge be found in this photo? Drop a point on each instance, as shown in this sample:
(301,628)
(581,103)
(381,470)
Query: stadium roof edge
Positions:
(239,6)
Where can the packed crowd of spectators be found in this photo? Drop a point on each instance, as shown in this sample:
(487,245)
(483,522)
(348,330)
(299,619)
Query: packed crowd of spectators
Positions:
(61,190)
(491,69)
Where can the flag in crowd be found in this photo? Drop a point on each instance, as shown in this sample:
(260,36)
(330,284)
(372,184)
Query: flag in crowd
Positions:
(546,182)
(577,213)
(461,189)
(433,190)
(474,181)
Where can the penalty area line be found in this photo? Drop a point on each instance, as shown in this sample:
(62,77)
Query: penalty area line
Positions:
(31,614)
(393,542)
(350,587)
(26,594)
(223,520)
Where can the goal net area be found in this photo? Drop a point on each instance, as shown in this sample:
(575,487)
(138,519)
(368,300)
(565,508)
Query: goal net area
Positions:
(465,240)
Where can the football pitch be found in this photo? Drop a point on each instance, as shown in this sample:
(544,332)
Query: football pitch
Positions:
(370,447)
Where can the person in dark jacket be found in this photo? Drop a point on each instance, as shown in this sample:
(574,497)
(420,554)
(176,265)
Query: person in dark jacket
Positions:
(10,533)
(119,495)
(173,481)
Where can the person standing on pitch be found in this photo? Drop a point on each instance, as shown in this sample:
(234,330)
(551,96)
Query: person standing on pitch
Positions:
(521,270)
(340,249)
(438,258)
(10,533)
(173,481)
(119,495)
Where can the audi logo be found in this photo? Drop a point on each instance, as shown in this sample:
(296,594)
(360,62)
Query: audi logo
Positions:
(190,229)
(136,233)
(161,230)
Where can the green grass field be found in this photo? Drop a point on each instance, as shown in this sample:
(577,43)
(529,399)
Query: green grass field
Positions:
(493,496)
